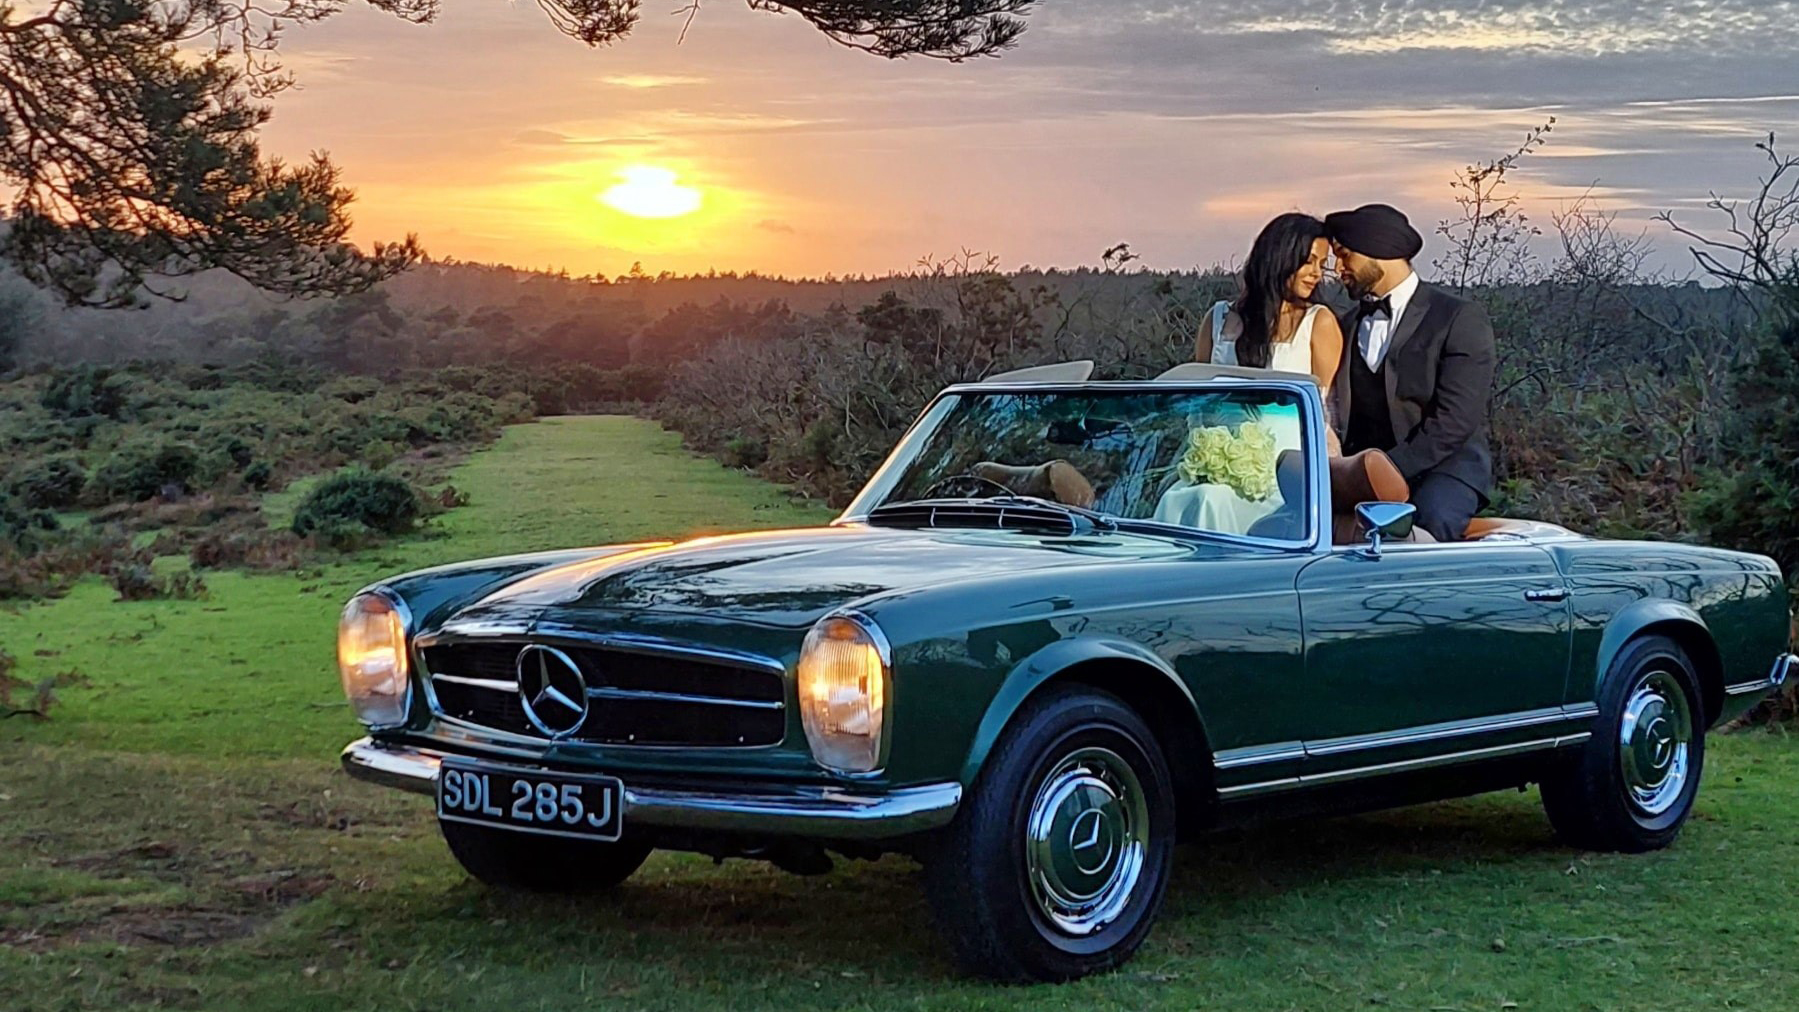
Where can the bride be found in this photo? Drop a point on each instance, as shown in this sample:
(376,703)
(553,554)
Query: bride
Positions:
(1273,323)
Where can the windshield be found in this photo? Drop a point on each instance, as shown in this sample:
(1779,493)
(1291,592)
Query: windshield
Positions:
(1230,462)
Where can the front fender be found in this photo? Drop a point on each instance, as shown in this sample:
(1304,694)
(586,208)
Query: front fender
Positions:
(1031,673)
(431,595)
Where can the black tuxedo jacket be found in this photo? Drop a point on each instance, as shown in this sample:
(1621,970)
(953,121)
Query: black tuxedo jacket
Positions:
(1439,378)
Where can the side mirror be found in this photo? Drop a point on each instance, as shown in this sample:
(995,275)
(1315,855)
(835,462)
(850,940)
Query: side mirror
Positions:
(1380,520)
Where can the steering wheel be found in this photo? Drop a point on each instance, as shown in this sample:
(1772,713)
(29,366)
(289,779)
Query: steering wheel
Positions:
(966,476)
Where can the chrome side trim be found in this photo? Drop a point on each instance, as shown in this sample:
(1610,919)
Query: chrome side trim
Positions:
(824,812)
(1457,729)
(1256,755)
(1234,758)
(1403,766)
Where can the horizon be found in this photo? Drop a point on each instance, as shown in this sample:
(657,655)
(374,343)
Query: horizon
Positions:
(758,145)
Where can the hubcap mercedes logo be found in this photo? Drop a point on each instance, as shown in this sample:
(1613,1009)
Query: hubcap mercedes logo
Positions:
(552,689)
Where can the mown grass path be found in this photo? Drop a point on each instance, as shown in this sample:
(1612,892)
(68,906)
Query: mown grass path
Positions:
(178,837)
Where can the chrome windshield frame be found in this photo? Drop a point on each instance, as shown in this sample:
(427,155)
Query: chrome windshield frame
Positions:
(1317,538)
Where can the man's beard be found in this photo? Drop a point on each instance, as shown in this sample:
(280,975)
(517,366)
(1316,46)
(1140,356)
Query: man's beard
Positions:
(1361,285)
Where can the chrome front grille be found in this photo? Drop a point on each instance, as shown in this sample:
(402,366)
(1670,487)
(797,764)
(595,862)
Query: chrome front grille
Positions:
(634,698)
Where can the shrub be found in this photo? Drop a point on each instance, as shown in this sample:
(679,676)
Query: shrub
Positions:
(355,502)
(87,390)
(51,483)
(264,549)
(378,453)
(143,469)
(136,581)
(744,451)
(1751,501)
(21,525)
(258,475)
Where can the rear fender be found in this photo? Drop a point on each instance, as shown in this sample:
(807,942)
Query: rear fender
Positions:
(1669,618)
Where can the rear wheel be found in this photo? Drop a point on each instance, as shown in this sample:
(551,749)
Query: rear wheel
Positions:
(1056,864)
(1632,786)
(510,860)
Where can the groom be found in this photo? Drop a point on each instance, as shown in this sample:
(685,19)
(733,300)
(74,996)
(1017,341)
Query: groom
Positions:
(1417,370)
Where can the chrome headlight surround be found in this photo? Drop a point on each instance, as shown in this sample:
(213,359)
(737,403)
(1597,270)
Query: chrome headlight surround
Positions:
(372,658)
(844,680)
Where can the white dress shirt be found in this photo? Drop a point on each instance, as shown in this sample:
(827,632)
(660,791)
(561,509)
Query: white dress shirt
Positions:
(1376,331)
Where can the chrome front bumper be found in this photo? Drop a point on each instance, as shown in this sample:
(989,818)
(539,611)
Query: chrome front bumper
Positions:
(814,812)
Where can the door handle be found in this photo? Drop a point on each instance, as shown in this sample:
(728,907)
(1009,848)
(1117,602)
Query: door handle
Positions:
(1547,594)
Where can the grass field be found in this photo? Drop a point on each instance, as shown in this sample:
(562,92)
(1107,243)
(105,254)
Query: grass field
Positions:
(177,836)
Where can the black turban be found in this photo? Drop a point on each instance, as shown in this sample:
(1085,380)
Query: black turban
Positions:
(1375,230)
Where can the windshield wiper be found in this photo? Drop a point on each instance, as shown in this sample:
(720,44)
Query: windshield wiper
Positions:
(1080,517)
(1103,521)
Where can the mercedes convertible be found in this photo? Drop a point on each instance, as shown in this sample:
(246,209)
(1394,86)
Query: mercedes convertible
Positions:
(1065,625)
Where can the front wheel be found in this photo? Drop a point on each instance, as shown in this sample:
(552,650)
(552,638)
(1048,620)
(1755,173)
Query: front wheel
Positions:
(1632,786)
(1056,864)
(511,860)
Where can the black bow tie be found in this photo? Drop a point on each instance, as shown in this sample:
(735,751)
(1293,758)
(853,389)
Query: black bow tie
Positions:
(1382,305)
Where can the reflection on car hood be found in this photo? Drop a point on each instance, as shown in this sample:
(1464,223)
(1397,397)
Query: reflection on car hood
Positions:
(794,577)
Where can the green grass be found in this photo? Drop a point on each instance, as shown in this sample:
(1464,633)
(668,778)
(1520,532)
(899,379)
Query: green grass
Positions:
(177,836)
(251,671)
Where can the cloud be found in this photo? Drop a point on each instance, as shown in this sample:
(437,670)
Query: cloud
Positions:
(779,227)
(644,81)
(552,138)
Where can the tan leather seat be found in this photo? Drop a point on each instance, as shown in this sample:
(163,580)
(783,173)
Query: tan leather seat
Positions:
(1482,527)
(1055,480)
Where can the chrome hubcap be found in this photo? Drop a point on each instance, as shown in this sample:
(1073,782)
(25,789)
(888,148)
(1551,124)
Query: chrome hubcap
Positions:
(1653,743)
(1086,839)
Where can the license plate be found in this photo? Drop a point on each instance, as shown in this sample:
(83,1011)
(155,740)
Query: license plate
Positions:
(584,805)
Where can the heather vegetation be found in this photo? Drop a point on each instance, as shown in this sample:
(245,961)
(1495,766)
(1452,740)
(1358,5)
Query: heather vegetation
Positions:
(1630,402)
(109,469)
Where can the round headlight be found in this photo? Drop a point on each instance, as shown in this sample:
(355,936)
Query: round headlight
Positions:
(843,671)
(371,659)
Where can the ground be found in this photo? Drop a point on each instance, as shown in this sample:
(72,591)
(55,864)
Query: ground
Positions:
(178,836)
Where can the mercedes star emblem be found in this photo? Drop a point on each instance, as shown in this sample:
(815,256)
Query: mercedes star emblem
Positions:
(551,687)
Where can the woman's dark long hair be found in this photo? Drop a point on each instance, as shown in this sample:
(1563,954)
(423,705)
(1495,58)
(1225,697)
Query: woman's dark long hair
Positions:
(1279,252)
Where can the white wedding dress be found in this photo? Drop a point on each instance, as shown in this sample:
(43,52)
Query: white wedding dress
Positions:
(1291,355)
(1214,507)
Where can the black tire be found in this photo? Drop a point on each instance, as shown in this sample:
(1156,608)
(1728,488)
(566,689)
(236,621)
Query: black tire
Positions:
(1092,772)
(1589,795)
(509,860)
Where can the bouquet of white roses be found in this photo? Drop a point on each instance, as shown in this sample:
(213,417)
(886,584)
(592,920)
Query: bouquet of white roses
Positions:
(1241,460)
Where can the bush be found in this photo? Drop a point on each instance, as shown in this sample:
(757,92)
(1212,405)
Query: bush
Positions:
(21,525)
(260,549)
(87,390)
(135,581)
(51,483)
(1751,502)
(258,475)
(378,453)
(744,451)
(355,502)
(141,470)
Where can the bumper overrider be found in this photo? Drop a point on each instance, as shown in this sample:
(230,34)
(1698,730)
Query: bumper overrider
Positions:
(1785,666)
(828,813)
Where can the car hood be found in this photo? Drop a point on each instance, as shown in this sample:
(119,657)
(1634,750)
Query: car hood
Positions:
(794,577)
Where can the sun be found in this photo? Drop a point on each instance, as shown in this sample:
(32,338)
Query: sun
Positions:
(649,192)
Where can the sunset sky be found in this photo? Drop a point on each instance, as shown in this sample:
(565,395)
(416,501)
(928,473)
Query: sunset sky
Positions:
(1174,125)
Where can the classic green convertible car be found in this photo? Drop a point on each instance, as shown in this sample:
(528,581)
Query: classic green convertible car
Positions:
(1066,624)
